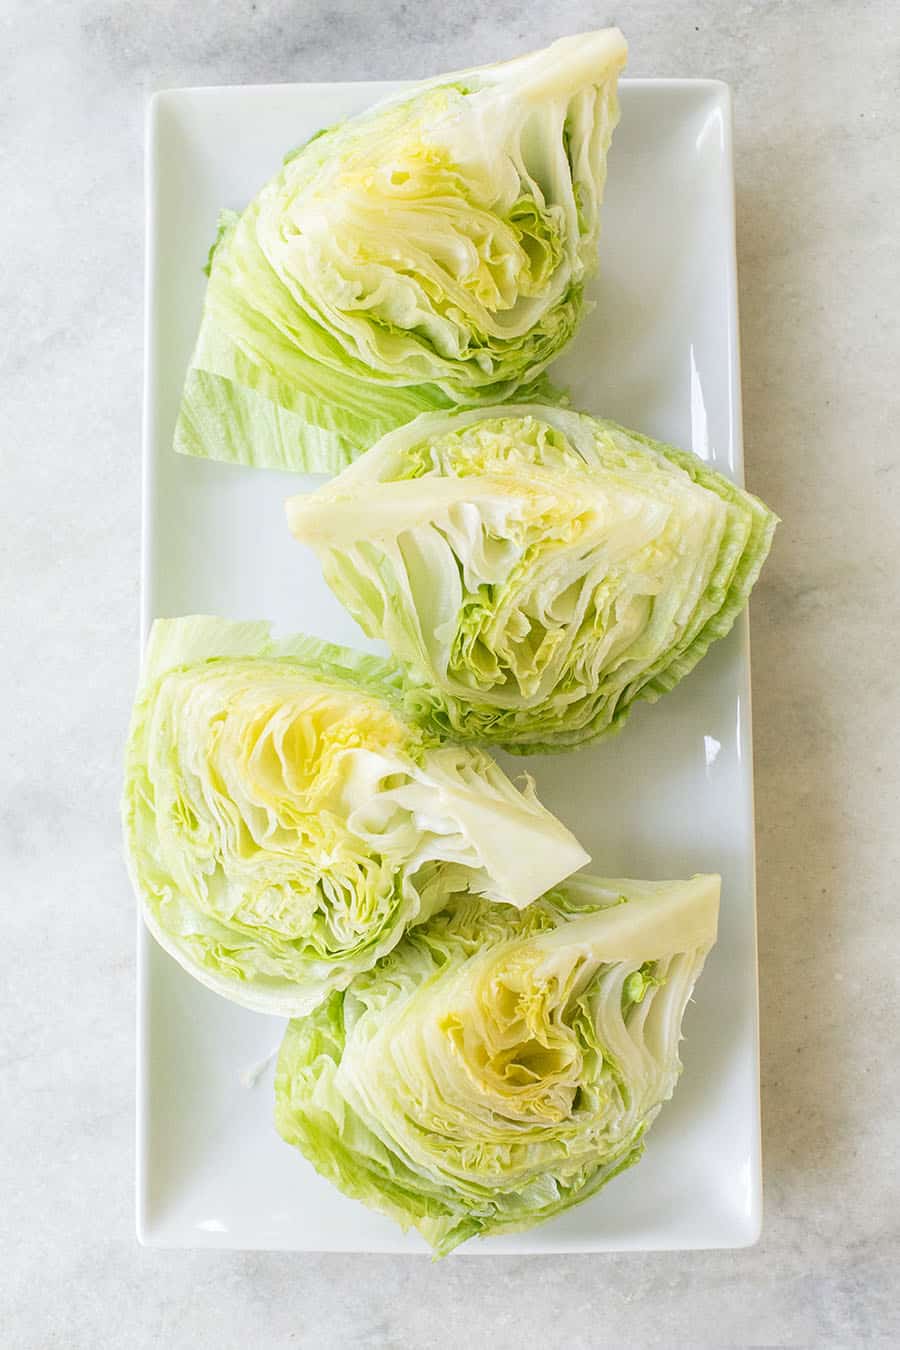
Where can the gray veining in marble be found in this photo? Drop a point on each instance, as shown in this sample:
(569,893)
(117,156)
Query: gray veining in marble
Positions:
(816,94)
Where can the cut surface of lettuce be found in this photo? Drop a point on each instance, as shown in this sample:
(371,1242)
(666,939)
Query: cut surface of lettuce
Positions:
(536,570)
(500,1066)
(285,823)
(430,252)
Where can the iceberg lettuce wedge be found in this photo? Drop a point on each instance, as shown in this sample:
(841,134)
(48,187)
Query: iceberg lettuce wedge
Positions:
(536,570)
(500,1066)
(428,253)
(285,823)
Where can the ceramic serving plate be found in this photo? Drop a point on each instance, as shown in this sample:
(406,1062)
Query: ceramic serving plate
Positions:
(670,796)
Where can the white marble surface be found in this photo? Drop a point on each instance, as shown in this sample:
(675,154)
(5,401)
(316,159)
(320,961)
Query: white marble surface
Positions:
(816,111)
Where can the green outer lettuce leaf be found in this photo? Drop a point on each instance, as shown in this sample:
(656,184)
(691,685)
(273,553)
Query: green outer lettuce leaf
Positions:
(429,253)
(285,821)
(217,412)
(499,1066)
(536,570)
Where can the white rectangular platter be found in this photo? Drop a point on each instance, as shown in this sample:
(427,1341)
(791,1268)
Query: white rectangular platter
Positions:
(670,796)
